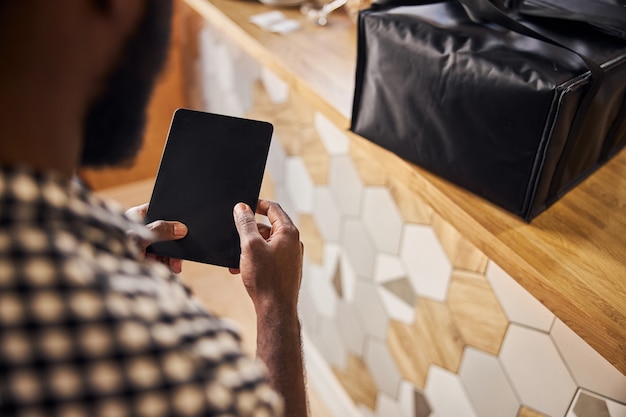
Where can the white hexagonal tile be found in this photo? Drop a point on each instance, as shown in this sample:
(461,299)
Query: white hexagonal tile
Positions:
(276,160)
(365,412)
(359,248)
(388,268)
(396,308)
(487,385)
(350,328)
(307,310)
(345,185)
(328,341)
(320,287)
(536,370)
(446,394)
(348,278)
(326,214)
(335,140)
(372,313)
(517,303)
(387,406)
(382,219)
(282,197)
(382,367)
(299,184)
(276,88)
(589,368)
(427,264)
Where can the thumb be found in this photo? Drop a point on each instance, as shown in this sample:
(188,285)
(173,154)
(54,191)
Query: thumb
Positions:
(245,221)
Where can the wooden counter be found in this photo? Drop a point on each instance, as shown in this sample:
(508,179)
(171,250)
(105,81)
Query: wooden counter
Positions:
(572,257)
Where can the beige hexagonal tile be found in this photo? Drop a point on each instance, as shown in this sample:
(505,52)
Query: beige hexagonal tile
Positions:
(404,344)
(476,311)
(461,252)
(437,334)
(358,382)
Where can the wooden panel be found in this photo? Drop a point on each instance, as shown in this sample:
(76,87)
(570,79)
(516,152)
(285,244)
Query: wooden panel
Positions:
(572,258)
(476,311)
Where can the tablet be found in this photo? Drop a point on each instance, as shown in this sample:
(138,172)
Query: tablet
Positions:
(210,163)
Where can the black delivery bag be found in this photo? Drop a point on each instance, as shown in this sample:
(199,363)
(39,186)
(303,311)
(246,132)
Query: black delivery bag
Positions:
(517,106)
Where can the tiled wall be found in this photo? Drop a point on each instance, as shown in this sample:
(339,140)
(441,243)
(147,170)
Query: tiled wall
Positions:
(412,319)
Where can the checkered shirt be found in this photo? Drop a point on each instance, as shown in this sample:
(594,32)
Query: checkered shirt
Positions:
(89,328)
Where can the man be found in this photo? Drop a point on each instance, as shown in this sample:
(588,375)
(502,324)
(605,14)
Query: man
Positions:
(88,327)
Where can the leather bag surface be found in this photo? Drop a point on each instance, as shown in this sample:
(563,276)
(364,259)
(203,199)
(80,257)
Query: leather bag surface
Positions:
(514,102)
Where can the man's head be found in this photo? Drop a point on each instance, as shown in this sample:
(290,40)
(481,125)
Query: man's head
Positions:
(76,77)
(115,121)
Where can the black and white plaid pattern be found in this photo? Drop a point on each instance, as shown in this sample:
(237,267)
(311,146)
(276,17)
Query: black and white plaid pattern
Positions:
(87,328)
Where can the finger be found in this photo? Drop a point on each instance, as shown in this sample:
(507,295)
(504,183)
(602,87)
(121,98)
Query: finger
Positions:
(176,265)
(245,222)
(137,213)
(273,211)
(264,230)
(168,230)
(234,271)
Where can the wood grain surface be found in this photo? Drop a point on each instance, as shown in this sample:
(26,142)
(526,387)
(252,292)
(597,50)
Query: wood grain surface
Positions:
(572,257)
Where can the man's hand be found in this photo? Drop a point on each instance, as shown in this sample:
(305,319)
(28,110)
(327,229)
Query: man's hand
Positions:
(271,256)
(163,230)
(271,270)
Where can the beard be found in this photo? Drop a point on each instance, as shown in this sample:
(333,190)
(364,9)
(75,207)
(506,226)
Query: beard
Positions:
(115,121)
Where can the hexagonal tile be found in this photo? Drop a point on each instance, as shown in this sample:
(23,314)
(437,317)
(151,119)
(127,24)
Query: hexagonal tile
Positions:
(589,368)
(350,328)
(315,158)
(320,287)
(405,345)
(299,185)
(476,311)
(387,406)
(367,167)
(345,185)
(348,278)
(335,140)
(370,309)
(388,268)
(382,367)
(537,371)
(359,249)
(311,238)
(398,299)
(282,197)
(327,214)
(412,401)
(517,303)
(461,252)
(428,266)
(277,89)
(411,207)
(358,382)
(487,385)
(438,336)
(381,219)
(307,311)
(328,342)
(528,412)
(447,395)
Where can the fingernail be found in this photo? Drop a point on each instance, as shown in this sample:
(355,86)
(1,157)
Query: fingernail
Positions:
(240,208)
(180,230)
